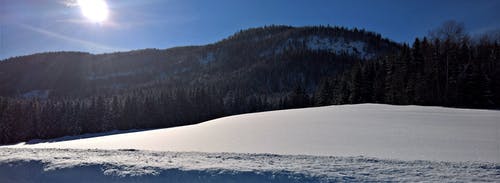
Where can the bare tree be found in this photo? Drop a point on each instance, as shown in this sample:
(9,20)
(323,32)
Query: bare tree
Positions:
(491,36)
(450,30)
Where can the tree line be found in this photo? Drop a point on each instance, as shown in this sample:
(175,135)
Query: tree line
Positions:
(430,72)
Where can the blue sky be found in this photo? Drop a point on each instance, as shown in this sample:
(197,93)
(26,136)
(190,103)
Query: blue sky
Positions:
(31,26)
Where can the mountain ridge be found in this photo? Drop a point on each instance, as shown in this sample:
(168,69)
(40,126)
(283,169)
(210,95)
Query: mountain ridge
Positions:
(236,35)
(232,52)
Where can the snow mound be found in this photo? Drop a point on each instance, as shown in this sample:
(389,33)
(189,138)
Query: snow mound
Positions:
(371,130)
(66,165)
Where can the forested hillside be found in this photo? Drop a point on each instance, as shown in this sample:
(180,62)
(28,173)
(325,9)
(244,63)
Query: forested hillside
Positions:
(50,95)
(447,73)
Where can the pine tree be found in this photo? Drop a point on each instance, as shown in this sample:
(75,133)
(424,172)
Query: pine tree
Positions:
(356,85)
(416,80)
(299,98)
(325,95)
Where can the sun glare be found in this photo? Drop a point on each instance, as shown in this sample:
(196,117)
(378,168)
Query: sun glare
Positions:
(94,10)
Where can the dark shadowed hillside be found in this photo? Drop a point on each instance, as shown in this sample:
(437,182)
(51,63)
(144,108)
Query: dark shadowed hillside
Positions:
(249,53)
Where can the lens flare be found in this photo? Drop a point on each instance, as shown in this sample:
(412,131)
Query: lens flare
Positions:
(94,10)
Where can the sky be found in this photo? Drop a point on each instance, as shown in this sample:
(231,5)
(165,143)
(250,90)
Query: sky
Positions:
(32,26)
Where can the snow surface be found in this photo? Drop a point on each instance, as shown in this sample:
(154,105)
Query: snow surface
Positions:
(336,45)
(112,75)
(371,130)
(42,94)
(65,165)
(349,143)
(210,57)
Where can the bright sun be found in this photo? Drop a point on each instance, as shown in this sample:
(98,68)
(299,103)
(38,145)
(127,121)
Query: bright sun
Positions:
(94,10)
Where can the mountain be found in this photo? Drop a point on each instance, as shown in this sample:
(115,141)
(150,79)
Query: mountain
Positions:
(51,95)
(306,52)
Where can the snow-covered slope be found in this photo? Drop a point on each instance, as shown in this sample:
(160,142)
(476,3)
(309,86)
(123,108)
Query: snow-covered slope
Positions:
(372,130)
(356,143)
(337,45)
